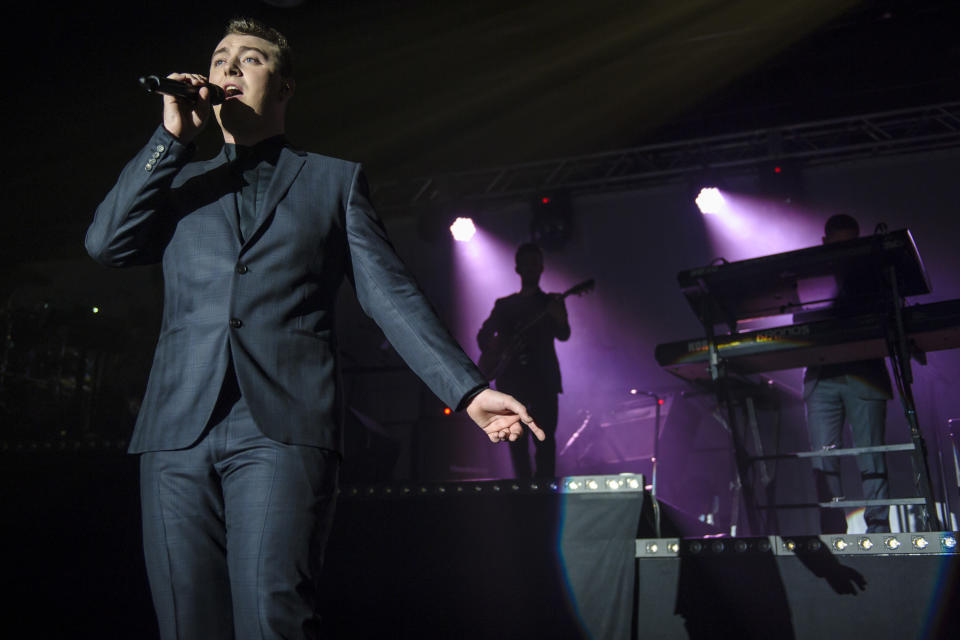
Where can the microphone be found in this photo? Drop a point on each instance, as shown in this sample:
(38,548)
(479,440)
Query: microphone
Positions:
(156,84)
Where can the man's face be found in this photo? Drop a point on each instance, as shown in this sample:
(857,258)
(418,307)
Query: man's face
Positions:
(246,68)
(529,266)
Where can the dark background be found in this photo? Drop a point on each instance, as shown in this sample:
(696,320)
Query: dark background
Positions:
(413,88)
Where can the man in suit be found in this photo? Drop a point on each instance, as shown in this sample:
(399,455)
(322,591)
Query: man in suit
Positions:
(852,391)
(532,371)
(239,431)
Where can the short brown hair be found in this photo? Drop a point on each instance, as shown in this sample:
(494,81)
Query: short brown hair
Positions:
(253,27)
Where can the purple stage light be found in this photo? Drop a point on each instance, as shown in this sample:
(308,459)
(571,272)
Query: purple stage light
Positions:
(710,200)
(463,229)
(750,227)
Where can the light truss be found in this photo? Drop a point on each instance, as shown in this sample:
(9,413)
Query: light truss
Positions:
(925,128)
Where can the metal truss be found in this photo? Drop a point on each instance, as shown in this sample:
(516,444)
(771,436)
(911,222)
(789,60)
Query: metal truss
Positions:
(924,128)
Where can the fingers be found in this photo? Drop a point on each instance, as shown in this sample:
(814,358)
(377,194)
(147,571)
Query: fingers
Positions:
(185,117)
(537,431)
(189,78)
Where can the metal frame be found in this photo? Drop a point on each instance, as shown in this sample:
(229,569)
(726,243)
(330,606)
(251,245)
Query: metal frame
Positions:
(926,128)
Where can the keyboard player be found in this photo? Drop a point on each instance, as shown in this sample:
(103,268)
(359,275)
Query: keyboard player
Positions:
(854,392)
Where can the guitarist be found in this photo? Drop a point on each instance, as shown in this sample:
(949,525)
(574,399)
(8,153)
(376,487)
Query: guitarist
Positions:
(529,369)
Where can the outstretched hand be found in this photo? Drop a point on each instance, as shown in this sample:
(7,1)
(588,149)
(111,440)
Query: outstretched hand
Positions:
(501,416)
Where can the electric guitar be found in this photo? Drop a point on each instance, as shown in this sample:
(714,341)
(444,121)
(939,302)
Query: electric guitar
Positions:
(495,359)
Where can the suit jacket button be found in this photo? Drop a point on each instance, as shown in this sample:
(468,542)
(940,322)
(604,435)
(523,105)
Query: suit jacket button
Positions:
(236,323)
(242,269)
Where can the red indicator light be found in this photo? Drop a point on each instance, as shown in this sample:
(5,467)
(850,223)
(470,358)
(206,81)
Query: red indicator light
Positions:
(659,400)
(447,411)
(777,169)
(545,200)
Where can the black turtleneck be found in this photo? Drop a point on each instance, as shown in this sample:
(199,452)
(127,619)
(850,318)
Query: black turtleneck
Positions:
(253,167)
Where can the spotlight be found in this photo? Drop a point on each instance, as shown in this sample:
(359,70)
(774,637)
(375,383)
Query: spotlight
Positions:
(463,229)
(710,200)
(865,543)
(921,543)
(840,544)
(948,542)
(652,547)
(892,543)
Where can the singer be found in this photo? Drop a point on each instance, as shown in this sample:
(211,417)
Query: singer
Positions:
(238,434)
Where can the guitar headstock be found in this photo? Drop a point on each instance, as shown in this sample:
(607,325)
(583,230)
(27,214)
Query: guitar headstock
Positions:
(581,288)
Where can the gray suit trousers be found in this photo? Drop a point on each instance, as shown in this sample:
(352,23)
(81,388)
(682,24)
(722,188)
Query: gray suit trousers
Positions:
(830,404)
(234,529)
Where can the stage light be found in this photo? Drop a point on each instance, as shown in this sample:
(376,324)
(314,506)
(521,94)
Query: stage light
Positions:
(614,483)
(447,411)
(710,200)
(790,545)
(673,547)
(840,544)
(865,543)
(652,547)
(95,310)
(573,485)
(593,485)
(948,542)
(551,224)
(919,542)
(463,229)
(892,543)
(695,547)
(633,483)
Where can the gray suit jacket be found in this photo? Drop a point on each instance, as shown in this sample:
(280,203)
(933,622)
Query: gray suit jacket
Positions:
(267,302)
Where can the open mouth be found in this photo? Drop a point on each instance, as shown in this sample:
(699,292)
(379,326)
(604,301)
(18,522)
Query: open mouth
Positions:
(232,91)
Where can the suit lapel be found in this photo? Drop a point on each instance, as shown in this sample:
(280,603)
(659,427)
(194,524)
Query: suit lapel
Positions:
(288,167)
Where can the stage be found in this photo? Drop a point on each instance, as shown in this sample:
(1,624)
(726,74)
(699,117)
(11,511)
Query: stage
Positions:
(409,560)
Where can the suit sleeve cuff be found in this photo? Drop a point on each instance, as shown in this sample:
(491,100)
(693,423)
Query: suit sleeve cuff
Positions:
(470,395)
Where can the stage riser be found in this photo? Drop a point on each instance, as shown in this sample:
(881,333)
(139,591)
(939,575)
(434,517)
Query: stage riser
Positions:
(817,597)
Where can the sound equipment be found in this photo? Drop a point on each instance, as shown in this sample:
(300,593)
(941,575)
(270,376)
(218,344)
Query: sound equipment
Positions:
(770,285)
(757,588)
(929,327)
(861,315)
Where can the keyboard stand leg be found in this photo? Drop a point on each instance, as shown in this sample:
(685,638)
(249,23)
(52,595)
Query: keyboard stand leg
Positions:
(903,375)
